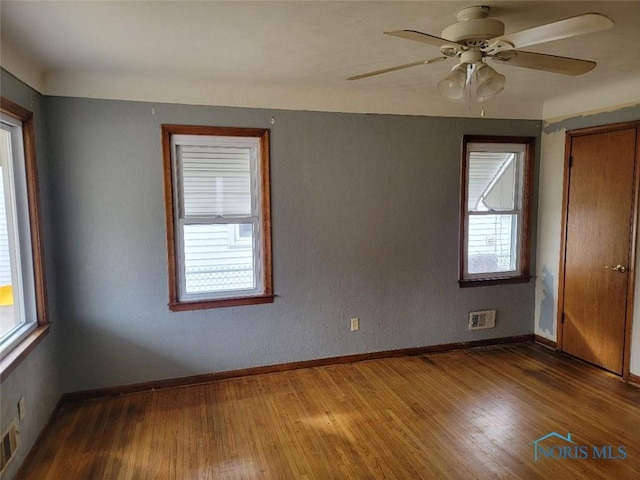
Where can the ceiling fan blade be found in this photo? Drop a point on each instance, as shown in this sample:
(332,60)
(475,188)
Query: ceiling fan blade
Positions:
(417,36)
(548,63)
(569,27)
(399,67)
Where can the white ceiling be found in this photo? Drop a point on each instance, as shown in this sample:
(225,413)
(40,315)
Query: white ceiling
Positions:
(298,54)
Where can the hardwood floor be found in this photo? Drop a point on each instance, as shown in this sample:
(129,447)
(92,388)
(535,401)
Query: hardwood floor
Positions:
(469,414)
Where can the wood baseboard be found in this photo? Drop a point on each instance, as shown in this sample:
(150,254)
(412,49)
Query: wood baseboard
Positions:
(635,379)
(213,377)
(546,342)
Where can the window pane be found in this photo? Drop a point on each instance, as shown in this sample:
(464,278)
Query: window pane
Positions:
(216,180)
(9,314)
(213,263)
(245,230)
(492,181)
(491,243)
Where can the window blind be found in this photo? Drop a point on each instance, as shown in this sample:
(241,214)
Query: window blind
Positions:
(216,181)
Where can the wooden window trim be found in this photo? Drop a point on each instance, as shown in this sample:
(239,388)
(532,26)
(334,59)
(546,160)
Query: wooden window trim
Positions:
(20,352)
(175,304)
(524,253)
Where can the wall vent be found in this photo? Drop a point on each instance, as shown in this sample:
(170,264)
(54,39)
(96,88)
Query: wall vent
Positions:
(8,446)
(482,319)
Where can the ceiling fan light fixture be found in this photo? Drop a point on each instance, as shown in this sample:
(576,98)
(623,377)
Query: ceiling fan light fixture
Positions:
(476,37)
(489,81)
(453,85)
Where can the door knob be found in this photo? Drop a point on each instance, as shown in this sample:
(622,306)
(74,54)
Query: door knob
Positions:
(617,268)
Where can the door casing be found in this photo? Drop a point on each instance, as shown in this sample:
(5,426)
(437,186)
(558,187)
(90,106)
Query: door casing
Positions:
(633,241)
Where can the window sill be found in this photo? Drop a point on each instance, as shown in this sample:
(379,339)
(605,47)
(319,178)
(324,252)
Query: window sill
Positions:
(484,282)
(13,359)
(226,302)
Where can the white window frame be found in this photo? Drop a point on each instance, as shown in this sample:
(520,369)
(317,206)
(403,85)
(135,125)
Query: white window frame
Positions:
(256,140)
(518,150)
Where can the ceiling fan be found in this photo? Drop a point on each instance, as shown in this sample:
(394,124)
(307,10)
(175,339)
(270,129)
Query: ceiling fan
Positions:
(476,37)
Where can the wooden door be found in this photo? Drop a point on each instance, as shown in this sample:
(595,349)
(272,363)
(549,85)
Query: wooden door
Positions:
(598,247)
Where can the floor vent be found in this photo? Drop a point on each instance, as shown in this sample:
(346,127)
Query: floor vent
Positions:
(8,446)
(482,319)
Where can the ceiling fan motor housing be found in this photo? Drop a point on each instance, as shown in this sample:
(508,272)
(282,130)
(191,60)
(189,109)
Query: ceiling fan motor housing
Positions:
(473,27)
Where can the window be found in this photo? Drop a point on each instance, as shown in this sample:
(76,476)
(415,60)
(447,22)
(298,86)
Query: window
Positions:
(495,209)
(240,235)
(217,205)
(22,285)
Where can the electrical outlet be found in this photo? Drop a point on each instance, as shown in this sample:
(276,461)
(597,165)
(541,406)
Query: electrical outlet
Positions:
(22,408)
(355,324)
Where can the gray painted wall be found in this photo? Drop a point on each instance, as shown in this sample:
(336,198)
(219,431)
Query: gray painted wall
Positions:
(625,114)
(365,223)
(36,378)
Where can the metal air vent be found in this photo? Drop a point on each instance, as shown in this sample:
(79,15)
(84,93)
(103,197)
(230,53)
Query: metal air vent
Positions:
(482,319)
